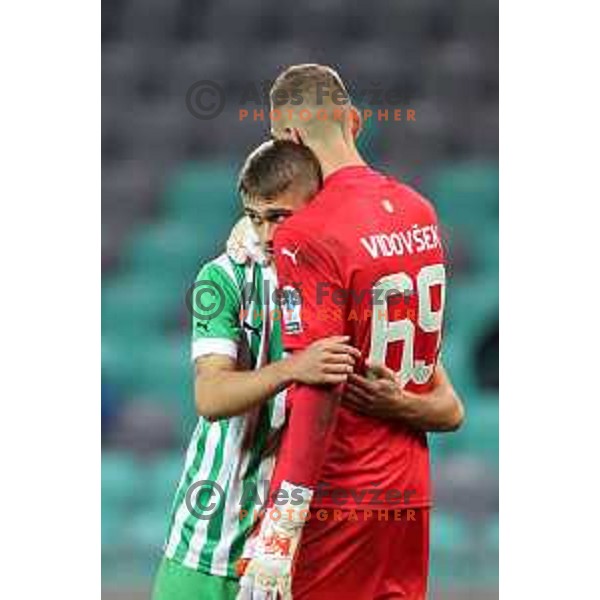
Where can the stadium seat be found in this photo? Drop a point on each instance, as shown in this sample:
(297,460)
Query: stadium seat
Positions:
(158,127)
(443,445)
(167,245)
(450,545)
(479,433)
(481,428)
(477,20)
(137,556)
(123,356)
(137,304)
(466,482)
(149,21)
(112,522)
(471,317)
(165,373)
(145,531)
(465,194)
(492,533)
(471,314)
(471,306)
(202,191)
(454,71)
(163,478)
(153,368)
(146,428)
(449,532)
(490,544)
(471,251)
(201,204)
(127,187)
(121,64)
(458,361)
(121,478)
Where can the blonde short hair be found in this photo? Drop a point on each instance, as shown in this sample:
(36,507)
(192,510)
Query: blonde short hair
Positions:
(309,84)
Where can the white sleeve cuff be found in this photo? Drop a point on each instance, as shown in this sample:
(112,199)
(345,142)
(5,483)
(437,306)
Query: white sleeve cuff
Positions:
(204,346)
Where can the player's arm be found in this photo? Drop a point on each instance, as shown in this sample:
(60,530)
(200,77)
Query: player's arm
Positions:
(302,263)
(222,387)
(311,422)
(223,390)
(441,409)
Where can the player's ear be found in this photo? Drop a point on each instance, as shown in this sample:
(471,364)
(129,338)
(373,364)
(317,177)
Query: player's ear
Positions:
(296,136)
(355,122)
(290,134)
(351,124)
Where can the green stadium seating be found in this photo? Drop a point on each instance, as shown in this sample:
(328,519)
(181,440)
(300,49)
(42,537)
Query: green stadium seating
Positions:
(472,305)
(465,193)
(137,304)
(450,545)
(172,250)
(471,312)
(111,523)
(163,478)
(471,250)
(492,533)
(205,189)
(457,359)
(442,445)
(122,480)
(146,530)
(123,356)
(486,243)
(481,428)
(479,433)
(166,368)
(449,533)
(157,368)
(490,550)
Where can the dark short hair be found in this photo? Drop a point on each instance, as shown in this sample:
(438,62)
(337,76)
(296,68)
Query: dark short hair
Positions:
(279,165)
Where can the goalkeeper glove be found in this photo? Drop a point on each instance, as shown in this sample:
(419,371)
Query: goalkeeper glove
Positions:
(268,572)
(243,243)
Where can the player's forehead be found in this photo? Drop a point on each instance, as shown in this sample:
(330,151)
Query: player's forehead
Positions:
(283,203)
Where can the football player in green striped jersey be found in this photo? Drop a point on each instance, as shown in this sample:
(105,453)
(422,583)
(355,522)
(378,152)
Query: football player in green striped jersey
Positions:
(241,378)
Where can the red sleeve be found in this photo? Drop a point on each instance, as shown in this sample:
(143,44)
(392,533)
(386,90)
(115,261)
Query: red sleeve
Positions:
(307,276)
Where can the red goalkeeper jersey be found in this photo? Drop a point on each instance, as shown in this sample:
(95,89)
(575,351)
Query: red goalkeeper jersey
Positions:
(367,260)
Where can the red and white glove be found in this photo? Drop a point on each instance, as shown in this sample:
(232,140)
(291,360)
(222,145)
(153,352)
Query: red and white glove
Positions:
(268,572)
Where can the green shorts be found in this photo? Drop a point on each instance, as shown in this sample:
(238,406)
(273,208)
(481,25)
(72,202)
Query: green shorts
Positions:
(176,582)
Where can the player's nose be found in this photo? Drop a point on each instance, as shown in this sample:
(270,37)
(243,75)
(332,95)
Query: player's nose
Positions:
(268,232)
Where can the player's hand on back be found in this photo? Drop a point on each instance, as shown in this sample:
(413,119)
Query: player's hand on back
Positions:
(325,362)
(378,395)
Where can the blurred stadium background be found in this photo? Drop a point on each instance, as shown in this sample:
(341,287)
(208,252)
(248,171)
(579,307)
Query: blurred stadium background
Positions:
(168,184)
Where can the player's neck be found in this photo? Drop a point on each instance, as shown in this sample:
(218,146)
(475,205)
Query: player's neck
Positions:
(332,162)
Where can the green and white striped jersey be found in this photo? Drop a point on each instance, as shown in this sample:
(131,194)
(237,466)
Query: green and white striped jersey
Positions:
(235,453)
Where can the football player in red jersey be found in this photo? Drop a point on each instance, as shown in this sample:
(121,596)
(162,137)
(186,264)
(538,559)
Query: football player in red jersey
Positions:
(367,258)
